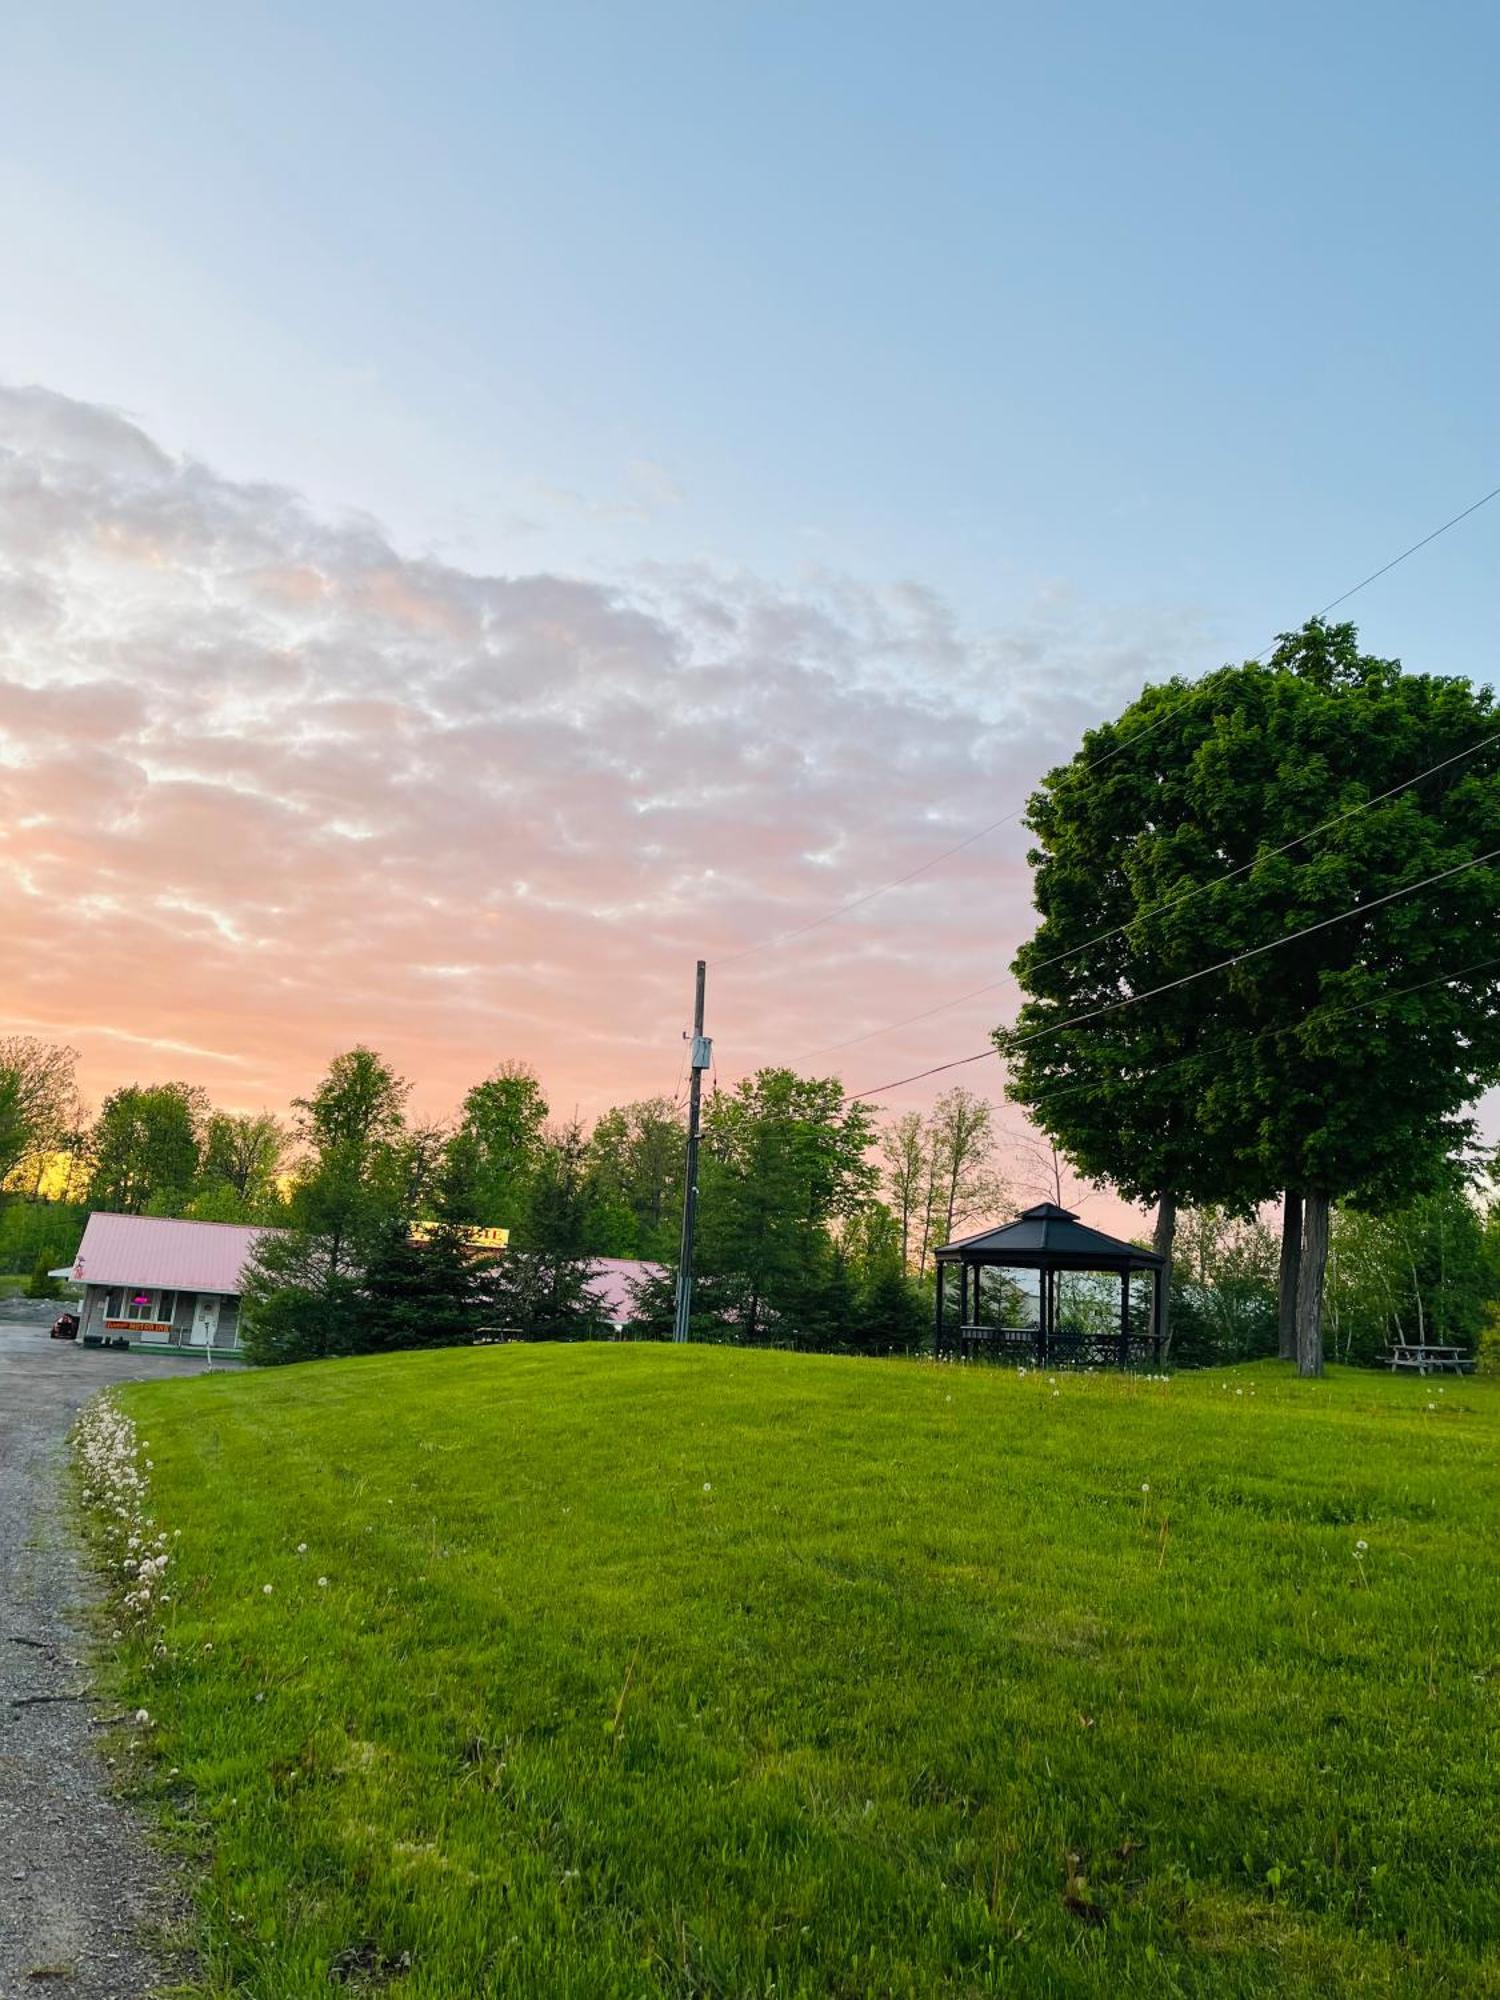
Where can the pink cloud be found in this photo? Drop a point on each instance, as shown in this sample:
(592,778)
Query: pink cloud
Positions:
(268,787)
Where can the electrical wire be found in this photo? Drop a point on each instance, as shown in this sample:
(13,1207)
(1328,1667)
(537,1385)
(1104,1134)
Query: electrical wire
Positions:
(936,860)
(1156,909)
(1187,979)
(1276,1028)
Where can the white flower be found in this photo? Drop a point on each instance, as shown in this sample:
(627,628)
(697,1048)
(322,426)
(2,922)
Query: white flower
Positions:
(143,1717)
(302,1548)
(1145,1486)
(265,1590)
(322,1583)
(706,1487)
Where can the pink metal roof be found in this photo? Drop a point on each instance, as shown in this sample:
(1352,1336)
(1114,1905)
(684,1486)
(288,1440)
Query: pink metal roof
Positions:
(163,1253)
(610,1280)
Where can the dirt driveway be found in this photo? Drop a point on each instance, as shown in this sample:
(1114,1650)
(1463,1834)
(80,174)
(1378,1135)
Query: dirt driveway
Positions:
(77,1877)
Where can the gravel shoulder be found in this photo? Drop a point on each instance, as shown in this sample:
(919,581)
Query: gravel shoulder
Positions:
(79,1880)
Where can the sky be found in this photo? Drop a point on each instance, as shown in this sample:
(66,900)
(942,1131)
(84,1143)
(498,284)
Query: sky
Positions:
(497,503)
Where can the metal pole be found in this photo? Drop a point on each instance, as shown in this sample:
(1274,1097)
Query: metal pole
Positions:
(700,1061)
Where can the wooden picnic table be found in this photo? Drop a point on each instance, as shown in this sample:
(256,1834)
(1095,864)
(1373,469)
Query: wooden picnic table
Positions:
(1428,1359)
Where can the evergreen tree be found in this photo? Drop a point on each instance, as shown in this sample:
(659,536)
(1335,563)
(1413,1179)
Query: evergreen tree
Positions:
(541,1288)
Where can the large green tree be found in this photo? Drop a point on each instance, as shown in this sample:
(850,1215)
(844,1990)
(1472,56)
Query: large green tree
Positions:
(146,1146)
(239,1169)
(1218,820)
(361,1177)
(498,1143)
(784,1156)
(636,1154)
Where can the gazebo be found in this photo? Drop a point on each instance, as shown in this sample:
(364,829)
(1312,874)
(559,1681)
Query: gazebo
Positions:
(1039,1289)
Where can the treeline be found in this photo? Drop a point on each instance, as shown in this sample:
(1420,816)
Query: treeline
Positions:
(1427,1271)
(375,1251)
(795,1242)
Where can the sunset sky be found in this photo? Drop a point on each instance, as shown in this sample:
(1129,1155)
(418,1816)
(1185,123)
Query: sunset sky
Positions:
(496,503)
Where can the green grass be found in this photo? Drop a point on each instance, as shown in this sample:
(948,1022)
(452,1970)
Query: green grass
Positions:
(645,1670)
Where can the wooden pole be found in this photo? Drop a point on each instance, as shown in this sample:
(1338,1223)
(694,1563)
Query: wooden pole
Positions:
(690,1177)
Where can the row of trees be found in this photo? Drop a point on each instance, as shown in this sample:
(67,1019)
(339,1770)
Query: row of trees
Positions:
(1265,968)
(1429,1270)
(794,1242)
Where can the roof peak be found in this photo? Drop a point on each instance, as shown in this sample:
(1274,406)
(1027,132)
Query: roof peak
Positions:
(1047,1211)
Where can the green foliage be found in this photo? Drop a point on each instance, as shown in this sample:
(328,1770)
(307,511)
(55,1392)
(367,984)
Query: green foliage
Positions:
(1223,1305)
(498,1144)
(643,1670)
(783,1157)
(237,1175)
(1278,1074)
(40,1285)
(424,1292)
(540,1288)
(39,1232)
(636,1154)
(362,1178)
(1426,1272)
(145,1145)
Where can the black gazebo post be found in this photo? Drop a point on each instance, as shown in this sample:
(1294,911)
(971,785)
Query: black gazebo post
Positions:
(1124,1315)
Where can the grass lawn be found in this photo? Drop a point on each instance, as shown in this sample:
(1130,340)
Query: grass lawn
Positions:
(642,1670)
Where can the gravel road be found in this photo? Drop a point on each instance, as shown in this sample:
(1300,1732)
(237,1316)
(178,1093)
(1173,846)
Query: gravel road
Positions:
(78,1879)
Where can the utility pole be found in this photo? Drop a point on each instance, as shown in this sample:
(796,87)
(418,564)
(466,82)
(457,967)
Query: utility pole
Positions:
(702,1056)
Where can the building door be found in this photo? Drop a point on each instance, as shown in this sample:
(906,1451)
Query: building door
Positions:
(205,1320)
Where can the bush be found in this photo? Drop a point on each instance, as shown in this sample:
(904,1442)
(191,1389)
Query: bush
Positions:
(41,1285)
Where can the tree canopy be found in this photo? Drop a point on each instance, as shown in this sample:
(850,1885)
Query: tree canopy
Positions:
(1266,814)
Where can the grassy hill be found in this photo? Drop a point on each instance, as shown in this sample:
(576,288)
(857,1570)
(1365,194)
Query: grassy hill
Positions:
(642,1670)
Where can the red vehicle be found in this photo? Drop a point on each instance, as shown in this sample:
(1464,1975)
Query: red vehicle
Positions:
(65,1326)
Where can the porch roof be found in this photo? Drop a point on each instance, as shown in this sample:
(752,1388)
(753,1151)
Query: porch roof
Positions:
(1051,1238)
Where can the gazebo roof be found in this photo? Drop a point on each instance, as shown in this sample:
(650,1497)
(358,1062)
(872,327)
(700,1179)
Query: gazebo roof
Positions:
(1047,1236)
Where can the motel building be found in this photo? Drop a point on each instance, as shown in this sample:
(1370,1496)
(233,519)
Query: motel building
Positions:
(161,1286)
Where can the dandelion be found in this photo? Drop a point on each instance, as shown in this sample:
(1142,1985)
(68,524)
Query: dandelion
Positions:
(260,1697)
(322,1583)
(143,1718)
(1145,1485)
(1360,1547)
(706,1487)
(265,1590)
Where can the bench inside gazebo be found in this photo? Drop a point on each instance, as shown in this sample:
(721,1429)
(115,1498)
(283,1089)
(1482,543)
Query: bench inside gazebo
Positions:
(1049,1289)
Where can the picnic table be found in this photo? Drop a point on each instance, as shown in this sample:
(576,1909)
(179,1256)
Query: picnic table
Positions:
(1429,1360)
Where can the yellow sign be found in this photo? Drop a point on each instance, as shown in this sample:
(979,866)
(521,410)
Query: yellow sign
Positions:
(477,1236)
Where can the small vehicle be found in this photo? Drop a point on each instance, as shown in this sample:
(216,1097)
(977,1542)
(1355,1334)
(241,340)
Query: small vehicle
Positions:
(65,1326)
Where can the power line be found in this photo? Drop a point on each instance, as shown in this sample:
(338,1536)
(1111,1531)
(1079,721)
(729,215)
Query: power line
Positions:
(1168,903)
(1276,1028)
(899,881)
(1187,979)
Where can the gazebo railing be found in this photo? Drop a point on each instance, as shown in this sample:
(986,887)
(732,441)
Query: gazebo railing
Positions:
(1063,1347)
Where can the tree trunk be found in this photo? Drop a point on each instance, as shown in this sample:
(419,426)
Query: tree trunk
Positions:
(1163,1236)
(1291,1258)
(1312,1265)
